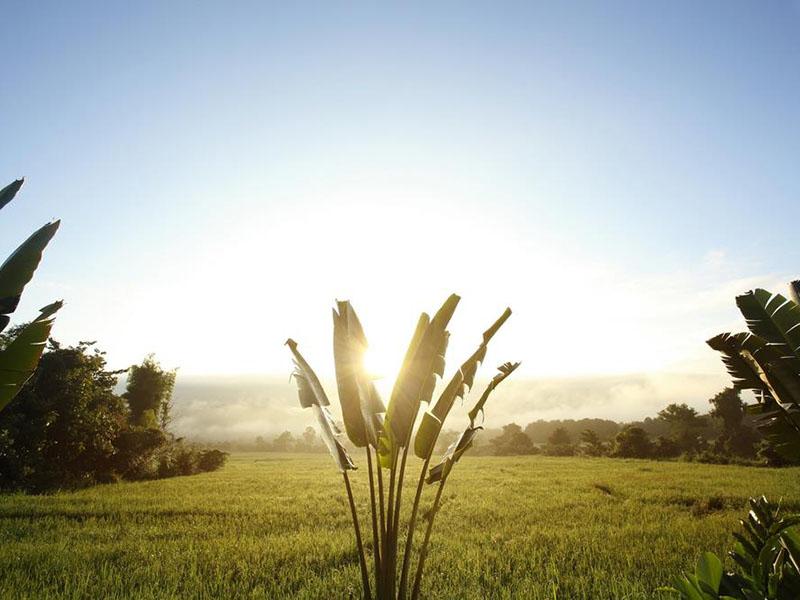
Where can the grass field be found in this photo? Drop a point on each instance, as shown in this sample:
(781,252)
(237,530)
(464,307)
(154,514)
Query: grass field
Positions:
(277,526)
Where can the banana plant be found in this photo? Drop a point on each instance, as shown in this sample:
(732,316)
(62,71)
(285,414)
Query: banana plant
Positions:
(19,357)
(767,360)
(386,433)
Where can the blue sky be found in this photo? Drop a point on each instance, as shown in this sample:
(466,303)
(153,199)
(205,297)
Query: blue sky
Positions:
(616,172)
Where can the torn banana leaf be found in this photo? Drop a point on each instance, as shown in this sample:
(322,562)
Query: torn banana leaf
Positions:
(19,358)
(505,369)
(464,442)
(460,384)
(312,395)
(453,453)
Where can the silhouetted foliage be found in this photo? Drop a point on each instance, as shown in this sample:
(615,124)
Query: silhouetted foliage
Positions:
(67,428)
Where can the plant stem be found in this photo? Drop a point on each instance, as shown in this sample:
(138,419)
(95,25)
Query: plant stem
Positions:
(362,558)
(373,512)
(396,517)
(423,553)
(381,499)
(411,526)
(391,535)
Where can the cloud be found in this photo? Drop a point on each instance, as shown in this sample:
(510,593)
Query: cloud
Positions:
(243,408)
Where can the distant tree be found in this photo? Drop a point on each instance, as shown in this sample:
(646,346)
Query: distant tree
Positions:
(149,394)
(591,445)
(736,438)
(261,443)
(559,443)
(685,425)
(665,447)
(512,441)
(285,442)
(559,437)
(310,437)
(632,442)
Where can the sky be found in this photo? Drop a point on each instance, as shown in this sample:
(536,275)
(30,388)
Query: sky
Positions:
(615,172)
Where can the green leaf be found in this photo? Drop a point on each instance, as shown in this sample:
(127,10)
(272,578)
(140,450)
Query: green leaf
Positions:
(18,268)
(361,403)
(774,318)
(424,361)
(19,359)
(709,571)
(7,193)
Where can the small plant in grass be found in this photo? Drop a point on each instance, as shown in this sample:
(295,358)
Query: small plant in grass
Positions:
(766,557)
(387,434)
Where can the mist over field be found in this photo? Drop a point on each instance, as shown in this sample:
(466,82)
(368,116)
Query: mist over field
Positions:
(240,408)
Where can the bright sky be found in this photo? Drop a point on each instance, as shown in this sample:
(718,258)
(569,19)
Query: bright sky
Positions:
(615,172)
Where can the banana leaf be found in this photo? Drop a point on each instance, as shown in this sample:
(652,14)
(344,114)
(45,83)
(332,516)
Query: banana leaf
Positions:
(361,403)
(312,395)
(19,358)
(417,377)
(776,319)
(18,268)
(755,364)
(505,369)
(460,384)
(7,193)
(464,442)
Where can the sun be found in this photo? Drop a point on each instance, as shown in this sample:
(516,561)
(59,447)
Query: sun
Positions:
(379,366)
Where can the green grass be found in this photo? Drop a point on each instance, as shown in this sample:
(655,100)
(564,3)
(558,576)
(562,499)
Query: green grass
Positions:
(277,526)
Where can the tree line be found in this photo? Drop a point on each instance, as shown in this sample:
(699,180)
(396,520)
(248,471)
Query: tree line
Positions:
(726,434)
